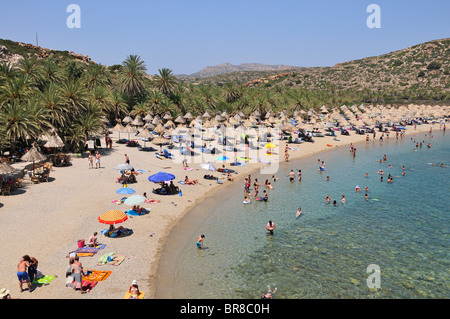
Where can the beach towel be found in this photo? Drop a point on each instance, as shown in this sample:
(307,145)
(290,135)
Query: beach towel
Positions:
(128,295)
(151,201)
(88,285)
(44,280)
(135,213)
(96,247)
(104,259)
(117,260)
(188,168)
(97,275)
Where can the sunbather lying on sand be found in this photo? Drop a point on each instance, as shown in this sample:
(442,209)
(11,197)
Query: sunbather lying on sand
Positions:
(188,181)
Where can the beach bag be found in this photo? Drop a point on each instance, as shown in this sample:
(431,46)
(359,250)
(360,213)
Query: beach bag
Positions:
(81,243)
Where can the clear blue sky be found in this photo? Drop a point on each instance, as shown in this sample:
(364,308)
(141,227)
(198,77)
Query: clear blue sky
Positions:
(187,35)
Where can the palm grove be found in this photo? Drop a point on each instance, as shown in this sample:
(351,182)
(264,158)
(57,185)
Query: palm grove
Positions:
(77,100)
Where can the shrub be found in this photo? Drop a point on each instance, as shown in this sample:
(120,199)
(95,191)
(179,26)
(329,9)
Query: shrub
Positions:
(434,66)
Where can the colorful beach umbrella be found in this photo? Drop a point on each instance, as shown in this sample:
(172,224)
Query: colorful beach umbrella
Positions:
(134,200)
(125,190)
(161,177)
(270,145)
(222,158)
(112,217)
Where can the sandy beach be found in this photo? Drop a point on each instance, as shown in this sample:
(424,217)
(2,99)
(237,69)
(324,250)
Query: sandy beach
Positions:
(46,220)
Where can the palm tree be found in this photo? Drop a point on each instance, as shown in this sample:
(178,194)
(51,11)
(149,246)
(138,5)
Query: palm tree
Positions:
(51,99)
(154,101)
(141,109)
(131,79)
(118,106)
(96,75)
(16,89)
(232,92)
(90,121)
(165,81)
(18,123)
(30,68)
(74,96)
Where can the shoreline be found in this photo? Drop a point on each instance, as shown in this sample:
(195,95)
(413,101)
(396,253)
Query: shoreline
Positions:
(46,220)
(177,227)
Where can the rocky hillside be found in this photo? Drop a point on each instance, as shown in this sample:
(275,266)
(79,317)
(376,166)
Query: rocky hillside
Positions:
(12,52)
(423,69)
(224,68)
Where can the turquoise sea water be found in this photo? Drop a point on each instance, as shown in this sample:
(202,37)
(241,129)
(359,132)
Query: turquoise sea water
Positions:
(403,228)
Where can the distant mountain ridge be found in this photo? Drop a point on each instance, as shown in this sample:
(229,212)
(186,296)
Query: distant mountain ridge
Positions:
(228,68)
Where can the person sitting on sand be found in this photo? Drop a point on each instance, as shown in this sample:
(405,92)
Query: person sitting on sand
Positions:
(230,177)
(134,290)
(116,232)
(92,241)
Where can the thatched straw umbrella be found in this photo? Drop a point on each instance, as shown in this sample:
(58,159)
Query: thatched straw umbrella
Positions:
(54,141)
(127,119)
(137,121)
(159,128)
(129,129)
(180,119)
(33,155)
(5,168)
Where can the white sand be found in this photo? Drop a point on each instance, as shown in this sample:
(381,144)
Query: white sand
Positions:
(47,219)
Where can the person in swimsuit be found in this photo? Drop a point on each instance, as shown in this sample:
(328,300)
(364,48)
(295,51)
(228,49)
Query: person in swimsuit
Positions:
(97,160)
(22,274)
(134,290)
(291,176)
(269,294)
(200,241)
(270,227)
(91,161)
(265,196)
(76,269)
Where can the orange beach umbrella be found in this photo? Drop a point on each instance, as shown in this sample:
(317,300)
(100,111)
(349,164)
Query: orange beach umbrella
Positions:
(112,217)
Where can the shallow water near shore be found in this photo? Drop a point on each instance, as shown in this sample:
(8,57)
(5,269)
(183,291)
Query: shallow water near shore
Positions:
(402,228)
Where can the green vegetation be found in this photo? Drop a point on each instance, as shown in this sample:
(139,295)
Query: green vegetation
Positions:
(78,99)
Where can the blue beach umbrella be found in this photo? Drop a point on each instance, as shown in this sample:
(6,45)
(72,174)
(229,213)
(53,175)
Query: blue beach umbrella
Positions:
(161,177)
(125,190)
(222,158)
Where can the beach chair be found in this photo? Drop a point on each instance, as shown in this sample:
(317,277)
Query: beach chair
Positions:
(167,154)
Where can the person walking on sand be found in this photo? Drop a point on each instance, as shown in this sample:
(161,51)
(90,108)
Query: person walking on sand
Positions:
(97,160)
(127,159)
(91,160)
(199,242)
(22,274)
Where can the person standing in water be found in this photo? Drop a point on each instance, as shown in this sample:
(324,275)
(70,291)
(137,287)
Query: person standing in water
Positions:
(271,227)
(299,212)
(200,241)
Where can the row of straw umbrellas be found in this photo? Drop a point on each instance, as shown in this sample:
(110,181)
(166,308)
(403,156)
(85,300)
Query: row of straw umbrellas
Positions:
(361,115)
